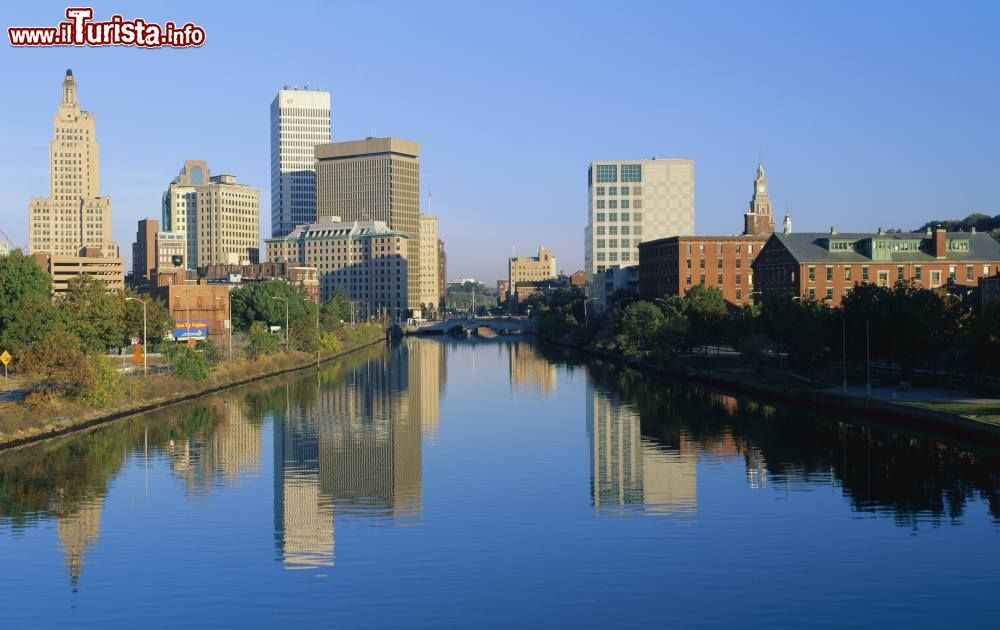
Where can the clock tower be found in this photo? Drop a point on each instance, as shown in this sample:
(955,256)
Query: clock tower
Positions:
(758,220)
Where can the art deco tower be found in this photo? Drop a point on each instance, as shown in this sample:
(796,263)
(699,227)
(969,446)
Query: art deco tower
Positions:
(74,215)
(758,220)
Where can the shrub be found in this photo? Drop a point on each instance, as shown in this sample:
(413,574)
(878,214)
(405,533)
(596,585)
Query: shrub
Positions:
(192,366)
(260,341)
(103,385)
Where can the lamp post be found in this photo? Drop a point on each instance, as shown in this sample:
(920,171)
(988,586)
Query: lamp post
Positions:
(133,299)
(586,316)
(285,300)
(353,304)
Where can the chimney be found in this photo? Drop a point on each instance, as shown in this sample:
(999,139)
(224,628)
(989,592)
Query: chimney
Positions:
(940,242)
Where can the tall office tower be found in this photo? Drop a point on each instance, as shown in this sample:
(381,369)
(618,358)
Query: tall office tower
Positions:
(442,275)
(219,217)
(632,201)
(144,251)
(300,120)
(758,221)
(74,215)
(429,268)
(376,179)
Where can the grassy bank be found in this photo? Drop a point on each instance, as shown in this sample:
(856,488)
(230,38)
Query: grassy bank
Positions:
(27,422)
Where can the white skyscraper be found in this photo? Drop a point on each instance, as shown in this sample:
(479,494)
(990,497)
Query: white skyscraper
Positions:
(630,201)
(300,119)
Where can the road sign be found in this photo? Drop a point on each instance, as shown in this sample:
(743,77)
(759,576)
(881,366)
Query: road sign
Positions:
(5,357)
(137,355)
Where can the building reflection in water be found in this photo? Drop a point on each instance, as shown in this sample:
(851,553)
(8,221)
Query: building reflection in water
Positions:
(354,450)
(78,533)
(628,470)
(530,370)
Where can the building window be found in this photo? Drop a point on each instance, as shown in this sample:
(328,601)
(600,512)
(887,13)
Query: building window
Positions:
(687,278)
(631,173)
(701,279)
(739,294)
(624,190)
(607,173)
(612,256)
(689,248)
(750,248)
(718,279)
(600,204)
(812,294)
(625,230)
(701,248)
(812,273)
(625,256)
(600,191)
(899,274)
(829,294)
(847,273)
(739,278)
(613,230)
(935,279)
(864,273)
(969,273)
(600,257)
(625,214)
(883,278)
(829,273)
(612,216)
(612,190)
(600,230)
(624,203)
(637,204)
(600,216)
(600,243)
(951,273)
(918,272)
(701,263)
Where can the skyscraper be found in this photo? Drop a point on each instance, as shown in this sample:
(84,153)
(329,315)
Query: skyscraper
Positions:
(300,119)
(74,215)
(219,217)
(633,201)
(376,179)
(144,251)
(429,268)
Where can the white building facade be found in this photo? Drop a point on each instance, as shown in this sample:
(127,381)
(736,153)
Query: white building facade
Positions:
(300,120)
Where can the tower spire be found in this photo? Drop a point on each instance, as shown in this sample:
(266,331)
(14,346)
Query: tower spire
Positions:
(69,88)
(758,220)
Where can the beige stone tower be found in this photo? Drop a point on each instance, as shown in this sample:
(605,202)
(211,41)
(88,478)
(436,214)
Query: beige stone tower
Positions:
(429,268)
(74,215)
(758,220)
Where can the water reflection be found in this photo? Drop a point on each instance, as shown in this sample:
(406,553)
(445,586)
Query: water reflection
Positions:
(347,444)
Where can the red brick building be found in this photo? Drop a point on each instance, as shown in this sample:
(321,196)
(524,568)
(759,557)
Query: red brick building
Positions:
(671,266)
(824,267)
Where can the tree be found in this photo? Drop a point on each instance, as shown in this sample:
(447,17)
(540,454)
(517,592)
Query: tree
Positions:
(59,361)
(88,311)
(260,341)
(335,311)
(26,311)
(255,302)
(210,350)
(637,325)
(706,310)
(158,320)
(304,336)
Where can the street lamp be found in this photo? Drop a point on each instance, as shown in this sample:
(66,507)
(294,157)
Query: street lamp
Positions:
(133,299)
(285,300)
(586,317)
(353,307)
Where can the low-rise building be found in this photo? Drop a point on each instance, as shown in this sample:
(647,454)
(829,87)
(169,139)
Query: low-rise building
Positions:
(578,279)
(531,268)
(611,280)
(90,262)
(304,277)
(366,259)
(989,291)
(197,306)
(673,265)
(825,266)
(144,252)
(171,251)
(503,292)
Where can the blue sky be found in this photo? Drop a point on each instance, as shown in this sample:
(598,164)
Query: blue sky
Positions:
(865,115)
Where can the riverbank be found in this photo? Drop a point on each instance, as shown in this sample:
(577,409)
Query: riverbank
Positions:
(24,423)
(923,414)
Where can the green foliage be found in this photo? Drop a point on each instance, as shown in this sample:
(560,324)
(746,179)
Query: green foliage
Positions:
(260,341)
(26,311)
(335,312)
(191,365)
(60,362)
(95,316)
(255,302)
(303,336)
(210,350)
(753,349)
(330,342)
(104,384)
(705,309)
(459,296)
(638,326)
(158,320)
(981,222)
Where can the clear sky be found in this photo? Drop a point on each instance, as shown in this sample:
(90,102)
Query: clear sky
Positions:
(865,114)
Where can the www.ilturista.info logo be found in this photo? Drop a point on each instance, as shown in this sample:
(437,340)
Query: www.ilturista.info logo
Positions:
(79,30)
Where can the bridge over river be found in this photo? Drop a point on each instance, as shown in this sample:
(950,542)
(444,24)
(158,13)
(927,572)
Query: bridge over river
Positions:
(499,326)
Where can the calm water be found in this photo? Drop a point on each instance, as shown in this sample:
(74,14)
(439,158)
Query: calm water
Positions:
(445,483)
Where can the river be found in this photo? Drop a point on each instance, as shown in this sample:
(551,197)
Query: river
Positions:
(457,483)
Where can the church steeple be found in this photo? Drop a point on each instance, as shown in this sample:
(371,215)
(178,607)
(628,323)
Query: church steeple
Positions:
(758,220)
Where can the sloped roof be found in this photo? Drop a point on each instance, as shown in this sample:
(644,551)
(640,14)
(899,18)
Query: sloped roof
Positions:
(808,247)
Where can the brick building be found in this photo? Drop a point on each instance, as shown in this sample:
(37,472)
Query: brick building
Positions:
(825,266)
(672,265)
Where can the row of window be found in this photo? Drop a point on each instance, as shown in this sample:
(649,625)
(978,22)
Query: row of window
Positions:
(612,243)
(612,257)
(719,248)
(608,173)
(970,272)
(612,204)
(613,190)
(612,230)
(720,279)
(718,263)
(601,217)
